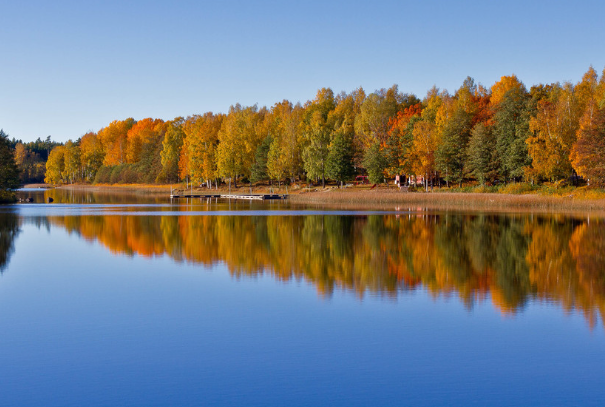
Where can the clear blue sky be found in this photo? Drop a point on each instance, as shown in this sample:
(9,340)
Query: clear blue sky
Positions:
(68,67)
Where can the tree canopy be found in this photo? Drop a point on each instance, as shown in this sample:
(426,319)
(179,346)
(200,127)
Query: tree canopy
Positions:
(479,134)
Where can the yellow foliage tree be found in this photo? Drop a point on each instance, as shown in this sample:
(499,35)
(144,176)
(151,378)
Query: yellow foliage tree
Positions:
(424,147)
(198,155)
(91,155)
(55,166)
(239,137)
(505,84)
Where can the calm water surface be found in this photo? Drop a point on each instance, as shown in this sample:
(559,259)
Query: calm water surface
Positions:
(137,301)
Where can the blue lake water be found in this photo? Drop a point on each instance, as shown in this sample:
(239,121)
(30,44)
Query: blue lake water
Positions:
(200,304)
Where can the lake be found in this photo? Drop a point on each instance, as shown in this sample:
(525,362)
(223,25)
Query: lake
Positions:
(134,300)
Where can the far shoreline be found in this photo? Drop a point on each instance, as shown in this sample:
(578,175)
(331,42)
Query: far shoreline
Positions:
(379,197)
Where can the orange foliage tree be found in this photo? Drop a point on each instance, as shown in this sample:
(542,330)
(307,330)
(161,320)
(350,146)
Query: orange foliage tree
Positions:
(143,132)
(114,141)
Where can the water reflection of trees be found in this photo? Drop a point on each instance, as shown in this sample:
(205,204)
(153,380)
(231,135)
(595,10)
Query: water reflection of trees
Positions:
(511,258)
(88,196)
(9,229)
(93,196)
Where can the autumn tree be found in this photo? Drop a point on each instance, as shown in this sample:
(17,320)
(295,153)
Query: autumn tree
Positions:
(374,121)
(588,154)
(239,138)
(424,148)
(72,166)
(114,140)
(21,159)
(600,93)
(171,147)
(317,134)
(91,155)
(284,158)
(198,154)
(378,108)
(556,124)
(591,96)
(588,90)
(55,165)
(426,136)
(31,165)
(142,133)
(503,86)
(399,143)
(315,154)
(454,119)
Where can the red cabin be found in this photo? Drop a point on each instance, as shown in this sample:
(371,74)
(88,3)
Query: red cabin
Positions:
(361,179)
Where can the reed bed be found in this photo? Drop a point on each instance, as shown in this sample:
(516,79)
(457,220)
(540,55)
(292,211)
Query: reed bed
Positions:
(458,200)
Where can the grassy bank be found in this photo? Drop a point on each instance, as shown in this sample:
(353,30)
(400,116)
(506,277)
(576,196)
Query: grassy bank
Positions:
(577,200)
(554,190)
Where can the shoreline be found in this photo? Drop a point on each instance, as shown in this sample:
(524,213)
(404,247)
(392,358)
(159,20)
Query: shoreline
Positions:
(380,197)
(453,200)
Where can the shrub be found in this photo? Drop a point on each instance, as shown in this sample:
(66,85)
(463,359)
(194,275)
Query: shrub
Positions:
(103,175)
(518,188)
(114,178)
(485,189)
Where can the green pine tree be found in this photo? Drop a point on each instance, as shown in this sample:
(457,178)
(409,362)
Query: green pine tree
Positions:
(451,154)
(481,153)
(339,164)
(375,163)
(259,168)
(511,130)
(9,172)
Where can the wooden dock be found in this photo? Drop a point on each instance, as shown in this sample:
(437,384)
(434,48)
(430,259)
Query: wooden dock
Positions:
(260,197)
(195,196)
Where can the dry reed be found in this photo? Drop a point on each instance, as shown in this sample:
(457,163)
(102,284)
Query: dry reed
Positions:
(444,200)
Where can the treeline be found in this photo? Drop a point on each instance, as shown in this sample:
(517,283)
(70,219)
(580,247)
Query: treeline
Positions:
(31,158)
(499,134)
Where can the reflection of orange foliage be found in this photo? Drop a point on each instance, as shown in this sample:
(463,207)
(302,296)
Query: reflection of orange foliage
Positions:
(145,244)
(501,304)
(587,246)
(511,259)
